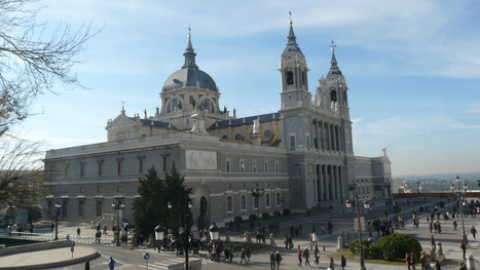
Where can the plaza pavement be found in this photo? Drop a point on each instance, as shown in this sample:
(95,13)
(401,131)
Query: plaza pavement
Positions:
(342,221)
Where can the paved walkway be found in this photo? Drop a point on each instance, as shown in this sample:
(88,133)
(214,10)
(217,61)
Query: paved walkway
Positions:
(342,221)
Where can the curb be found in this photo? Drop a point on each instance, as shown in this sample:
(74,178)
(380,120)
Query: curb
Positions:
(55,264)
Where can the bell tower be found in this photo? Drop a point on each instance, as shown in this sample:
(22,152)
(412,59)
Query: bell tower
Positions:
(293,69)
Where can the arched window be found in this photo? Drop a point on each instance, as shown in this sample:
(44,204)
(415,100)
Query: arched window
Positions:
(333,95)
(289,77)
(238,137)
(207,105)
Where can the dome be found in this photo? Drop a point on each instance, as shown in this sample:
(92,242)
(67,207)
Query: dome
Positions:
(189,77)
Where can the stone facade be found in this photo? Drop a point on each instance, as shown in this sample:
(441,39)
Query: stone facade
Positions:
(301,156)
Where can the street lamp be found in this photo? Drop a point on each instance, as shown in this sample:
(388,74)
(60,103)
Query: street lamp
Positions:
(367,206)
(214,232)
(257,193)
(459,192)
(185,235)
(118,205)
(418,186)
(57,215)
(159,233)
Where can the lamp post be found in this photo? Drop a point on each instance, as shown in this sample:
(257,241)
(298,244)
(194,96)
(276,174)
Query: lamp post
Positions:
(367,206)
(185,235)
(159,233)
(257,193)
(117,204)
(57,215)
(459,192)
(418,185)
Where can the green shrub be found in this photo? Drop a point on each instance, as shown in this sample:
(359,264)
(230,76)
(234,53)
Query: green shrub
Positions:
(395,246)
(252,217)
(355,248)
(287,212)
(265,215)
(277,213)
(373,252)
(238,219)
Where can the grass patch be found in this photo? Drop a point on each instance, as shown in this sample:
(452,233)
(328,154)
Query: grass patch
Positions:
(356,259)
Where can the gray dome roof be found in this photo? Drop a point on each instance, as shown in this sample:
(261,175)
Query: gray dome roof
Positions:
(189,77)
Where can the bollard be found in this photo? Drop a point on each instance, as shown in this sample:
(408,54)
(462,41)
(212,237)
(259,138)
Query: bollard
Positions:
(324,249)
(470,263)
(340,243)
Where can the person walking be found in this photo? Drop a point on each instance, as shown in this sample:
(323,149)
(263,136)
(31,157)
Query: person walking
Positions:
(78,232)
(243,256)
(272,261)
(423,260)
(306,255)
(331,265)
(455,224)
(473,231)
(299,256)
(343,262)
(412,260)
(278,259)
(408,261)
(111,263)
(316,253)
(463,247)
(249,253)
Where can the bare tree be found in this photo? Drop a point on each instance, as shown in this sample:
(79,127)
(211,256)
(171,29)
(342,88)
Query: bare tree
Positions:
(31,63)
(21,173)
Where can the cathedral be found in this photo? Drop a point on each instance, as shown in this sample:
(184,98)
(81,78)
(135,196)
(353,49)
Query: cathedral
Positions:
(296,158)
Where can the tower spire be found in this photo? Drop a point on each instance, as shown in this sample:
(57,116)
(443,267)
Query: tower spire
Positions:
(189,53)
(292,45)
(334,70)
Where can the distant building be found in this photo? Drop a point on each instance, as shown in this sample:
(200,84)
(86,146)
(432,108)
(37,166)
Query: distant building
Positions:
(301,156)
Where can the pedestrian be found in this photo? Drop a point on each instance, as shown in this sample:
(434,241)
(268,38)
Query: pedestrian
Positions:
(111,263)
(463,247)
(455,224)
(408,261)
(331,266)
(440,255)
(278,259)
(78,232)
(473,231)
(316,252)
(343,262)
(272,261)
(330,228)
(243,256)
(432,240)
(249,253)
(105,229)
(437,265)
(306,255)
(313,240)
(87,265)
(412,260)
(299,256)
(423,260)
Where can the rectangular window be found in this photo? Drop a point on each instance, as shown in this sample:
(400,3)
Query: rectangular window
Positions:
(242,166)
(243,202)
(67,170)
(99,207)
(267,199)
(64,207)
(308,141)
(80,190)
(119,166)
(292,142)
(164,163)
(82,169)
(265,167)
(100,167)
(254,165)
(229,203)
(277,167)
(81,206)
(141,164)
(255,203)
(279,202)
(227,166)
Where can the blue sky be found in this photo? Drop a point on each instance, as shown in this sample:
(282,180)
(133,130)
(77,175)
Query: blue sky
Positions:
(412,67)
